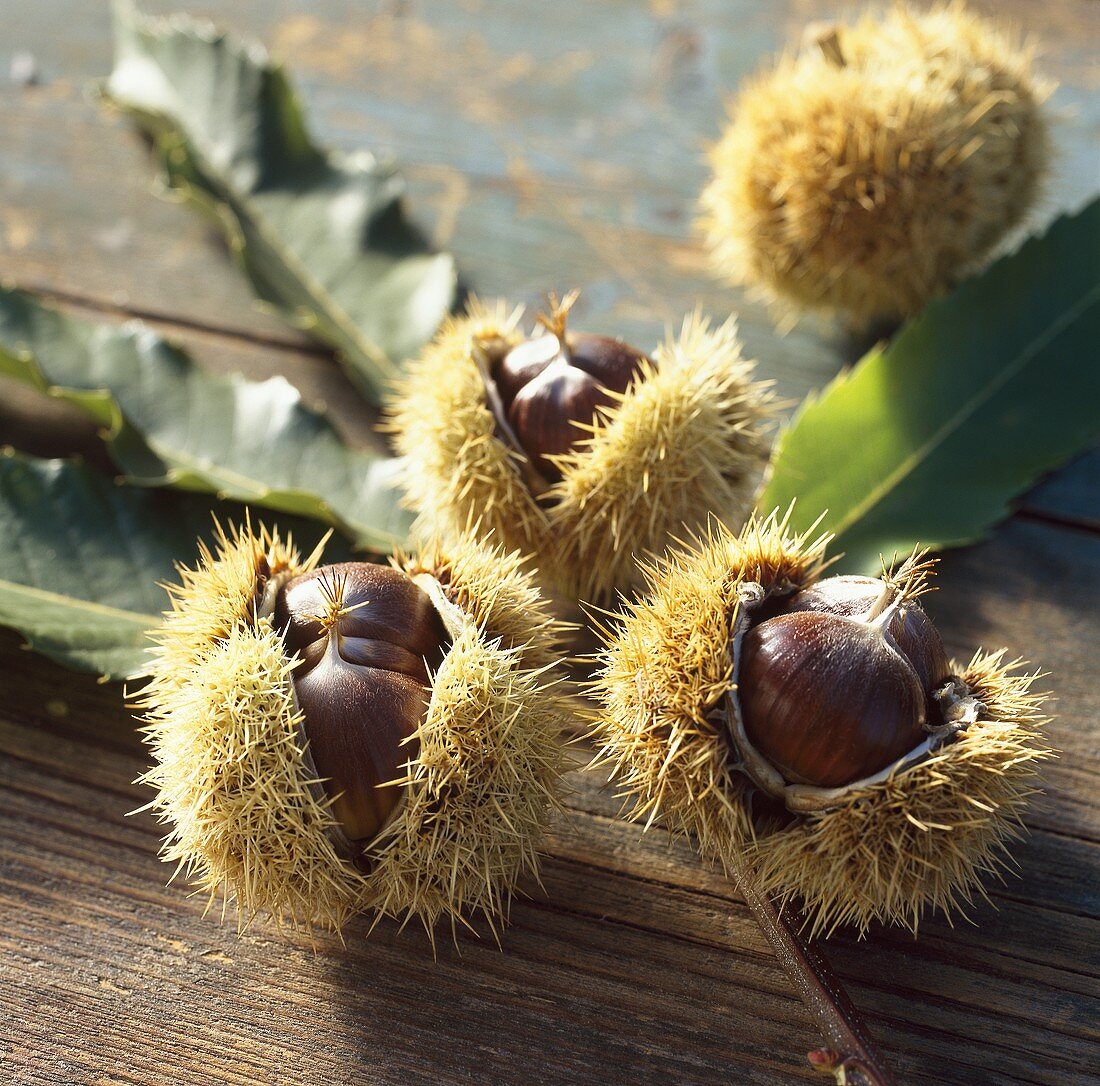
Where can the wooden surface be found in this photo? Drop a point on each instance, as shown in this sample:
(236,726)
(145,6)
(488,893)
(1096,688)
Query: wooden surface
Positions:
(550,145)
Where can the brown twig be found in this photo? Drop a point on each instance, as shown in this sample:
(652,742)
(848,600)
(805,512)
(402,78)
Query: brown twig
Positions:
(851,1054)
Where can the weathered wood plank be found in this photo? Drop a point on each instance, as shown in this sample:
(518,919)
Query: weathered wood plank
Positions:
(554,992)
(620,100)
(635,955)
(67,839)
(1070,494)
(60,813)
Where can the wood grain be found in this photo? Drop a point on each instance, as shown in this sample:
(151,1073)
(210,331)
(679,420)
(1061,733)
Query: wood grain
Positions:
(549,146)
(635,965)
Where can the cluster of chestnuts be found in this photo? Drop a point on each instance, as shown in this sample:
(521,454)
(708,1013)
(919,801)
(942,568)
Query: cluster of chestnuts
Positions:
(362,738)
(579,450)
(331,740)
(816,727)
(354,737)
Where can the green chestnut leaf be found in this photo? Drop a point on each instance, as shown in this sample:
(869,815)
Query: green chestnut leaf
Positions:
(929,439)
(81,574)
(323,238)
(168,422)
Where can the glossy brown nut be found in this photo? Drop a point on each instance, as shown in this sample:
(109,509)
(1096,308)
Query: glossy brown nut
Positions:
(523,363)
(827,699)
(548,414)
(362,683)
(552,396)
(917,638)
(611,361)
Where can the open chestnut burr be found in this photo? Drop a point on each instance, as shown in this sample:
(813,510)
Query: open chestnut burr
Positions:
(579,450)
(812,736)
(355,738)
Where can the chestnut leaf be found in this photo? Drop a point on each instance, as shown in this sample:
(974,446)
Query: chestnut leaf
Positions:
(929,439)
(168,422)
(323,238)
(84,559)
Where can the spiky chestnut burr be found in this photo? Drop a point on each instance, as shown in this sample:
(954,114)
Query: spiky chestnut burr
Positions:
(865,811)
(578,450)
(354,737)
(870,172)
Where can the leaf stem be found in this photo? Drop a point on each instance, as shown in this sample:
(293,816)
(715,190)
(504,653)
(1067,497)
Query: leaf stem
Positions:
(852,1054)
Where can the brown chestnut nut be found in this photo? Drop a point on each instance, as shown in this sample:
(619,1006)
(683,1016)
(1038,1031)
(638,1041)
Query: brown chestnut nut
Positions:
(826,699)
(551,387)
(366,636)
(912,629)
(839,685)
